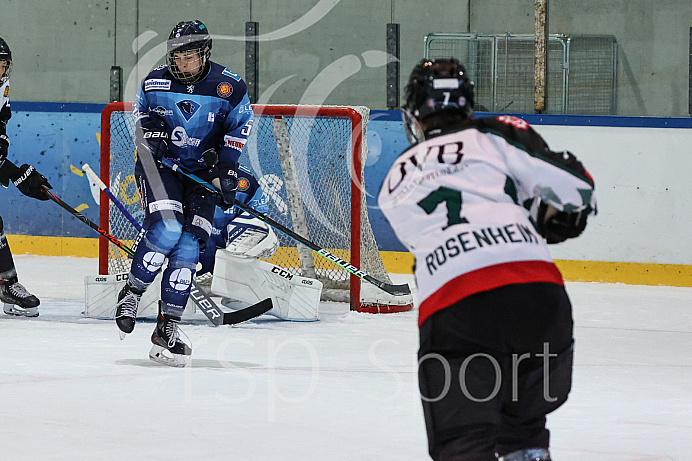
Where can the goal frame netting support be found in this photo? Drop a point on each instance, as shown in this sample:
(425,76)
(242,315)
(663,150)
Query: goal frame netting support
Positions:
(358,119)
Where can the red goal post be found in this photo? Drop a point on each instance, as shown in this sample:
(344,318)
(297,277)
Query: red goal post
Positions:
(309,161)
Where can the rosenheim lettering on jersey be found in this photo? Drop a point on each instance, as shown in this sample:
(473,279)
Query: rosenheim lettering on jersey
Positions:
(472,240)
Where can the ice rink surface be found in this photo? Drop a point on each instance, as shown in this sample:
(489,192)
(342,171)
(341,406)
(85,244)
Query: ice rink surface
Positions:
(343,388)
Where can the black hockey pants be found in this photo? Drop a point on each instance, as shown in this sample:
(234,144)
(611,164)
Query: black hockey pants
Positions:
(7,269)
(491,367)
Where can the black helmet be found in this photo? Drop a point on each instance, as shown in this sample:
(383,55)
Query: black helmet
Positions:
(188,36)
(436,86)
(5,55)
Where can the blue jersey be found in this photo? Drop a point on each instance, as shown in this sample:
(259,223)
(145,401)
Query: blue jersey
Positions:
(214,112)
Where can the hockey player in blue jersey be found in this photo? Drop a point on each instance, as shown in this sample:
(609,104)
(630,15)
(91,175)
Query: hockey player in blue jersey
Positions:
(185,109)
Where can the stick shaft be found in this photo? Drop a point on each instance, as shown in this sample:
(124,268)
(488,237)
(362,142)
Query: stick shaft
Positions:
(90,223)
(93,177)
(397,290)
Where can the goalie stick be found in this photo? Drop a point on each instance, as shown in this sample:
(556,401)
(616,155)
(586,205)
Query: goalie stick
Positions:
(198,295)
(395,290)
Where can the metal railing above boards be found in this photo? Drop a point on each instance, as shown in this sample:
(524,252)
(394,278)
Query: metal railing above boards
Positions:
(582,70)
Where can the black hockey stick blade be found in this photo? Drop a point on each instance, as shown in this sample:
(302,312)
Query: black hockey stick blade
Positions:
(250,312)
(394,290)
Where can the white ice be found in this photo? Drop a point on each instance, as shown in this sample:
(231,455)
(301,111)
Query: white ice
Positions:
(343,388)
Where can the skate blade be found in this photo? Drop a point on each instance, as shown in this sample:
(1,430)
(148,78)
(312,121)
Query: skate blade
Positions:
(122,334)
(162,355)
(11,309)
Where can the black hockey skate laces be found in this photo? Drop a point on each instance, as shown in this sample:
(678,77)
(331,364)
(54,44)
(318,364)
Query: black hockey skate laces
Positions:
(128,306)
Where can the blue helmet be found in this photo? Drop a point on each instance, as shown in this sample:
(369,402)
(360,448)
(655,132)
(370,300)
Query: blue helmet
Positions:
(188,36)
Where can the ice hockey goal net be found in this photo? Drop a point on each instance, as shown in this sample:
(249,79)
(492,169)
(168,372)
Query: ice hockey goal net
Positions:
(309,161)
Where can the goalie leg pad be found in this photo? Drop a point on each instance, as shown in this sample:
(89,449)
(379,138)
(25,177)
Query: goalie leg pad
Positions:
(250,280)
(101,297)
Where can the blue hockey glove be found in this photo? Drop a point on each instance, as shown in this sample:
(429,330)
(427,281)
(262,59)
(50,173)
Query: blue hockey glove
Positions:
(225,178)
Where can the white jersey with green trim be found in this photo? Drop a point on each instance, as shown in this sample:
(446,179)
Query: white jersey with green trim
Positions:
(457,202)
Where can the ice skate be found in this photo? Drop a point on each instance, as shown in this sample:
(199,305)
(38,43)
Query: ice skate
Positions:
(168,348)
(17,300)
(126,310)
(531,454)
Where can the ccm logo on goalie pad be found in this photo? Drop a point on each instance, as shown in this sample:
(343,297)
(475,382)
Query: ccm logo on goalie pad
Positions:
(116,277)
(282,273)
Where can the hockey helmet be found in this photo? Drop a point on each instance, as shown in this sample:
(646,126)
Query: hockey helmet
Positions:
(188,36)
(5,55)
(436,86)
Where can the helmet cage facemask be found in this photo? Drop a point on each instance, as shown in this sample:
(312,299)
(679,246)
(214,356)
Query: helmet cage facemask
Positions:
(200,44)
(6,75)
(414,132)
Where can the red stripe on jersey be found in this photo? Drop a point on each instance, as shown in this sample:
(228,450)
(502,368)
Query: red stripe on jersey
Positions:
(486,279)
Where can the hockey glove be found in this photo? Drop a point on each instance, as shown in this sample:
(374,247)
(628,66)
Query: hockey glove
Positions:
(4,144)
(557,226)
(152,137)
(30,182)
(225,178)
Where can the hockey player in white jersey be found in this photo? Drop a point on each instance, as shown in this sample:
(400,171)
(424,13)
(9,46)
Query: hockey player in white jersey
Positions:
(477,201)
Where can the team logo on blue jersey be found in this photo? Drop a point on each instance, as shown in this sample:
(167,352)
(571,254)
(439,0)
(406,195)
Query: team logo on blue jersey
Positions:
(188,108)
(224,89)
(243,184)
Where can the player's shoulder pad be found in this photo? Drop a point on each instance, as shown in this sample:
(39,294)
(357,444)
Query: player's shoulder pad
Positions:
(519,133)
(157,79)
(229,85)
(514,130)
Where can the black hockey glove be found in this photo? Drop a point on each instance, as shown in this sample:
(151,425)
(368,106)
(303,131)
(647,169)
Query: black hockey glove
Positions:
(557,226)
(30,182)
(152,137)
(4,144)
(225,178)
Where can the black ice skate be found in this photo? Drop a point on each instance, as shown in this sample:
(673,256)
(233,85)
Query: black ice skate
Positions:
(167,347)
(126,310)
(17,300)
(531,454)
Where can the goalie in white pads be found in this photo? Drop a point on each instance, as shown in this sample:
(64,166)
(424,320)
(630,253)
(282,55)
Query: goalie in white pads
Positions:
(238,241)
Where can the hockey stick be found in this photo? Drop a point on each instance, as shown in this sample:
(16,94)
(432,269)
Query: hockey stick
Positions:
(96,180)
(199,297)
(395,290)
